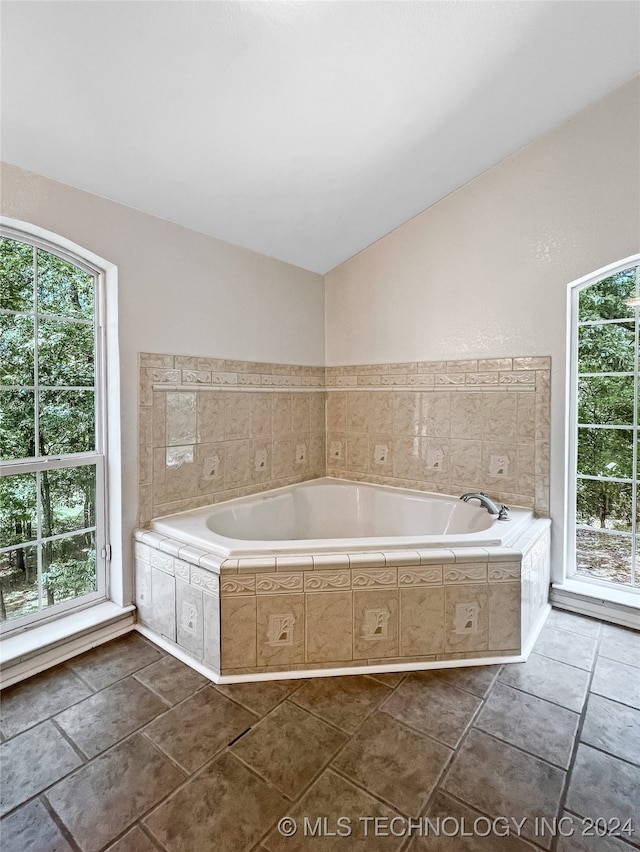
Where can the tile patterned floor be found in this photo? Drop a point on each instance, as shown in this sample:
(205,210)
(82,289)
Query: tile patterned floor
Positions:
(126,749)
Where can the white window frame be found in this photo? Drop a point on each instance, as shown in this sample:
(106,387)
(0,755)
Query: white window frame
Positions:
(603,587)
(110,585)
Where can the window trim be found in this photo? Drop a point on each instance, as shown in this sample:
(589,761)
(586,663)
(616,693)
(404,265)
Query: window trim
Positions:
(571,433)
(107,418)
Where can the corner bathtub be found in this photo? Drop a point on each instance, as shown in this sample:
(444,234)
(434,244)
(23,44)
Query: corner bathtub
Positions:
(335,577)
(327,515)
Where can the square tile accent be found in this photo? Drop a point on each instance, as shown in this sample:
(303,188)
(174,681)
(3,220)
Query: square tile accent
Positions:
(127,781)
(394,762)
(289,747)
(498,779)
(342,701)
(225,800)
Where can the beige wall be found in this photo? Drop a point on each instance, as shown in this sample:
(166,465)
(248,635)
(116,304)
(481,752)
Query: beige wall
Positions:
(484,273)
(179,291)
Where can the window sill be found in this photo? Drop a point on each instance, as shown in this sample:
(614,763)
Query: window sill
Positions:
(39,648)
(619,606)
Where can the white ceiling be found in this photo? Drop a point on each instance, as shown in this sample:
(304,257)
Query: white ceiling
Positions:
(303,130)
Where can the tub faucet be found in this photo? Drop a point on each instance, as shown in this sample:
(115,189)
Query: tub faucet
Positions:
(489,505)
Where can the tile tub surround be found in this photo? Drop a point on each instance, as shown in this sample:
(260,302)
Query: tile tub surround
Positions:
(444,426)
(291,615)
(212,429)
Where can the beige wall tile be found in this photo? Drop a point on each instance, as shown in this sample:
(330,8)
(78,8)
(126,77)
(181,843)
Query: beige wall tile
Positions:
(281,414)
(181,418)
(466,463)
(526,417)
(466,415)
(504,616)
(436,413)
(211,417)
(500,416)
(407,416)
(357,411)
(237,416)
(421,621)
(280,629)
(329,626)
(380,413)
(238,632)
(357,451)
(466,618)
(238,464)
(261,415)
(301,412)
(375,623)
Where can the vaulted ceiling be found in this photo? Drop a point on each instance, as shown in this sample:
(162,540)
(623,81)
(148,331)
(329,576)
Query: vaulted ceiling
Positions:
(302,130)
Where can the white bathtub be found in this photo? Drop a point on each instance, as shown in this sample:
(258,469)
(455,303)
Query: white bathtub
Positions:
(333,515)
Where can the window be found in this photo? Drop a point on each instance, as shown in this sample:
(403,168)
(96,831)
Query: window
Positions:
(604,534)
(52,437)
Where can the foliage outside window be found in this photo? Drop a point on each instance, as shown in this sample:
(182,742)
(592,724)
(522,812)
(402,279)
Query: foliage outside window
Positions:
(607,454)
(51,515)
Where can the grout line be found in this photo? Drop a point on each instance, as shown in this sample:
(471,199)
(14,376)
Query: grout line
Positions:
(66,833)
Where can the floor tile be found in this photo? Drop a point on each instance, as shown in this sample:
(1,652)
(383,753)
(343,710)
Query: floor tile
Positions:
(110,715)
(532,724)
(343,701)
(620,644)
(394,762)
(171,679)
(474,679)
(577,835)
(33,761)
(134,841)
(260,696)
(433,707)
(330,798)
(288,747)
(500,780)
(389,678)
(602,786)
(459,828)
(617,681)
(32,829)
(548,679)
(612,727)
(574,623)
(566,647)
(224,801)
(115,660)
(34,700)
(192,732)
(109,794)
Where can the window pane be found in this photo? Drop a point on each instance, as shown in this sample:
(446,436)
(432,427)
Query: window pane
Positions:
(67,422)
(604,505)
(603,556)
(17,438)
(63,289)
(18,582)
(65,353)
(68,499)
(607,400)
(16,350)
(606,348)
(16,276)
(605,452)
(68,568)
(607,299)
(18,516)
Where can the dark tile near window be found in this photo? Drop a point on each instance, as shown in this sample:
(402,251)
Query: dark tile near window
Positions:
(115,660)
(604,786)
(394,762)
(342,701)
(566,647)
(34,700)
(32,829)
(260,696)
(548,679)
(192,732)
(500,780)
(134,841)
(617,681)
(619,643)
(171,679)
(109,794)
(223,807)
(329,798)
(33,761)
(288,747)
(110,715)
(454,824)
(474,679)
(613,727)
(577,835)
(537,726)
(433,707)
(574,623)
